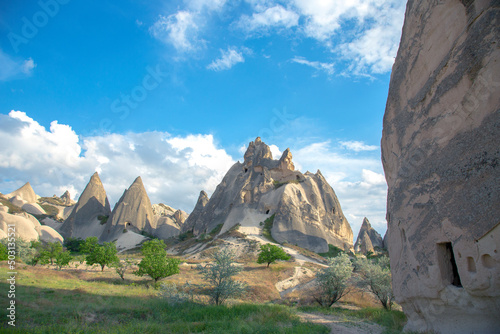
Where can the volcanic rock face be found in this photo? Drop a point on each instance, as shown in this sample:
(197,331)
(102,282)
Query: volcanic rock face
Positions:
(66,198)
(25,193)
(86,218)
(306,210)
(442,164)
(168,221)
(196,213)
(133,212)
(368,239)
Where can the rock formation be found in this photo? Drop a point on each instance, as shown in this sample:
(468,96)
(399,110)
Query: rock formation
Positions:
(169,221)
(368,240)
(305,208)
(90,212)
(442,164)
(27,227)
(133,212)
(196,213)
(66,199)
(25,193)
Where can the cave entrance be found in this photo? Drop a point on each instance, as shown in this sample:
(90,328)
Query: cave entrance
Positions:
(447,264)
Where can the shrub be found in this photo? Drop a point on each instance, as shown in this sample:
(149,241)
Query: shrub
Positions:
(176,295)
(103,219)
(155,263)
(104,254)
(122,266)
(333,251)
(219,277)
(270,253)
(375,276)
(266,230)
(333,281)
(73,244)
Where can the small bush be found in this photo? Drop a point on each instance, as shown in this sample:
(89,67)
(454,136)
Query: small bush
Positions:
(103,219)
(333,251)
(122,266)
(219,277)
(266,230)
(375,276)
(333,281)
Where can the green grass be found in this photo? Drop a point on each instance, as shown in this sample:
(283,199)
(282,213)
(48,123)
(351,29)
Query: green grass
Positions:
(393,321)
(266,231)
(12,208)
(51,200)
(332,251)
(50,210)
(62,303)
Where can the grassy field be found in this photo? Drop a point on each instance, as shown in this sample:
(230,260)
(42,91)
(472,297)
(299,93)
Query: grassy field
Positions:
(86,300)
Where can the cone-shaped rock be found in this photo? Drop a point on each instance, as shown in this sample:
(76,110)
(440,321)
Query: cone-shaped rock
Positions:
(305,208)
(26,193)
(368,239)
(133,212)
(89,214)
(197,211)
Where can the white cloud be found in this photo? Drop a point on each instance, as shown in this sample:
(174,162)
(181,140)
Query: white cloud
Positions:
(228,59)
(11,69)
(326,67)
(357,146)
(357,180)
(276,16)
(275,151)
(179,29)
(173,169)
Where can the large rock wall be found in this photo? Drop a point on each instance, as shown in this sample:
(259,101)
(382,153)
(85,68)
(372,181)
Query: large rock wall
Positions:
(441,156)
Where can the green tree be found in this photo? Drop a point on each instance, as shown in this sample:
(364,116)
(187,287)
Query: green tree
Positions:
(155,262)
(270,253)
(333,281)
(375,276)
(45,252)
(219,276)
(63,259)
(74,244)
(23,250)
(104,254)
(4,256)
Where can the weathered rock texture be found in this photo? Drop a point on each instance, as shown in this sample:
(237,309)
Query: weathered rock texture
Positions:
(25,193)
(196,213)
(26,227)
(66,199)
(440,151)
(168,221)
(305,207)
(87,216)
(133,212)
(368,240)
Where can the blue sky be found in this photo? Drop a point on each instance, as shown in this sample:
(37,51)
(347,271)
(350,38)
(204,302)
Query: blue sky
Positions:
(173,91)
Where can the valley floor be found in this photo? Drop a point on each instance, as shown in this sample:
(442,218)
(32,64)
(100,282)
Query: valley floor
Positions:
(83,299)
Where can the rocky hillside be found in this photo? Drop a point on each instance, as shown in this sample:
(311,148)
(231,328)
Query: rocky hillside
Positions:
(304,207)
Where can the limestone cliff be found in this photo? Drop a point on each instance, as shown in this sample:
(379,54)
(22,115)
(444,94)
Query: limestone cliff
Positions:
(305,207)
(368,239)
(91,210)
(441,157)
